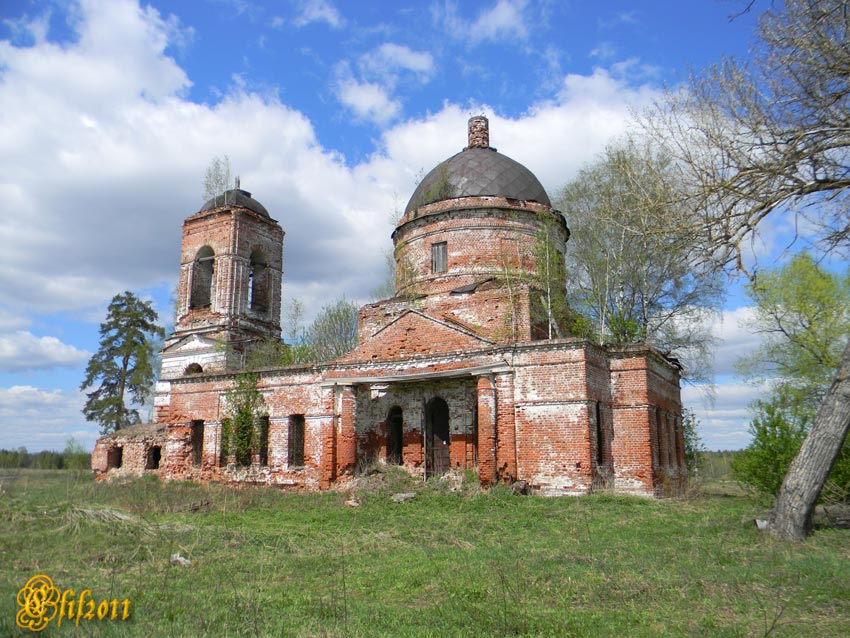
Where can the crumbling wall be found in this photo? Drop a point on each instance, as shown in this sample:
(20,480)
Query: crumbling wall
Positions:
(130,451)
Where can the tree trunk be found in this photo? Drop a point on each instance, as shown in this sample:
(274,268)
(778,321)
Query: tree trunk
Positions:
(122,382)
(791,517)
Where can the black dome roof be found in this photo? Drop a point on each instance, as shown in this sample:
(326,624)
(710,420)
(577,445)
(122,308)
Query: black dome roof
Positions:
(476,171)
(236,197)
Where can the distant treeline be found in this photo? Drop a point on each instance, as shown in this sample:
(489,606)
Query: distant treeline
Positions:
(717,466)
(45,460)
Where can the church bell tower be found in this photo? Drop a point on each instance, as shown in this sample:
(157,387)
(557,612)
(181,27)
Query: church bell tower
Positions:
(229,294)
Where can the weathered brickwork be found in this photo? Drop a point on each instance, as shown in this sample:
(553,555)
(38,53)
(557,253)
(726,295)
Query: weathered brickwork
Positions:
(445,376)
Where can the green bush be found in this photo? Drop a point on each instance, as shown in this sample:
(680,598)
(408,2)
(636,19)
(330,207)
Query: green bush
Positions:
(779,427)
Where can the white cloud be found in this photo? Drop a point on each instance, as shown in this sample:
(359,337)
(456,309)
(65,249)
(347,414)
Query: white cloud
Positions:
(604,51)
(504,20)
(43,419)
(368,100)
(12,321)
(318,11)
(370,92)
(25,27)
(391,56)
(724,416)
(734,339)
(20,351)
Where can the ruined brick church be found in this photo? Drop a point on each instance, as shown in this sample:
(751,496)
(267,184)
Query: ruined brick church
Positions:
(454,372)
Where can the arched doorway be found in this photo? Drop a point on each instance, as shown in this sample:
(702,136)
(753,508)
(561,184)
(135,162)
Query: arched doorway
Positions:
(437,437)
(395,433)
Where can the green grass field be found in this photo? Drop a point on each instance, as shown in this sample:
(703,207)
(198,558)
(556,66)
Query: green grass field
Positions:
(266,563)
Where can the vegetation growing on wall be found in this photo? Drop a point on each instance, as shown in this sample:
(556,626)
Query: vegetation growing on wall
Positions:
(241,434)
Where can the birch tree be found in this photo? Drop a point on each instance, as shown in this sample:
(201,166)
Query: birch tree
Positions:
(627,274)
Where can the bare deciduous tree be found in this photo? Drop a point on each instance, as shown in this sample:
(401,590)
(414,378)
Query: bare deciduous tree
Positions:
(766,137)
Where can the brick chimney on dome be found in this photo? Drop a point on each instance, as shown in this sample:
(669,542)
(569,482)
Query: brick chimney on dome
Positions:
(479,132)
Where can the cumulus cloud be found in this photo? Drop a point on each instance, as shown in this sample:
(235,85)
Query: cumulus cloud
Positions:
(503,20)
(43,419)
(310,11)
(391,57)
(368,100)
(22,351)
(370,91)
(724,415)
(723,407)
(733,338)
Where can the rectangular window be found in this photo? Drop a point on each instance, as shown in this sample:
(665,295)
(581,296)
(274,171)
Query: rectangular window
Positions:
(439,257)
(295,454)
(658,448)
(263,432)
(600,436)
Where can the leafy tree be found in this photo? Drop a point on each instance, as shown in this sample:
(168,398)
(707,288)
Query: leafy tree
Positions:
(770,136)
(803,312)
(298,349)
(332,334)
(550,309)
(266,353)
(386,289)
(778,428)
(74,456)
(123,363)
(694,448)
(631,277)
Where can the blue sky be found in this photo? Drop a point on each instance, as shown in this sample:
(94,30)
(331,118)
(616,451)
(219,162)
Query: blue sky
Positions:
(110,111)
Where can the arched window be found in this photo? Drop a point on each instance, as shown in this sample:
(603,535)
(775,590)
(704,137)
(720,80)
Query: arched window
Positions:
(258,283)
(395,436)
(193,368)
(202,279)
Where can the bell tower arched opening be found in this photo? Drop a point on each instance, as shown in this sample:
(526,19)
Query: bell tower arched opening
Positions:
(202,279)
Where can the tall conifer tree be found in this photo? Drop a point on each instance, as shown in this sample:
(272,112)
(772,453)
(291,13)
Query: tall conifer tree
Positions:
(123,365)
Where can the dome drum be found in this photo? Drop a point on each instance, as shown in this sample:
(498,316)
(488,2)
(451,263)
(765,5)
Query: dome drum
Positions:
(479,241)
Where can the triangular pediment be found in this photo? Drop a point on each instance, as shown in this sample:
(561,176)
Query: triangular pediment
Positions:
(414,333)
(189,344)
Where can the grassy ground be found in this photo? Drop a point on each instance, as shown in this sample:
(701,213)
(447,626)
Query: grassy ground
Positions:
(265,563)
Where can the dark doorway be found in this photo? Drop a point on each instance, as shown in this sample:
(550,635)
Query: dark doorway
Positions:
(197,442)
(395,443)
(115,457)
(437,437)
(153,457)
